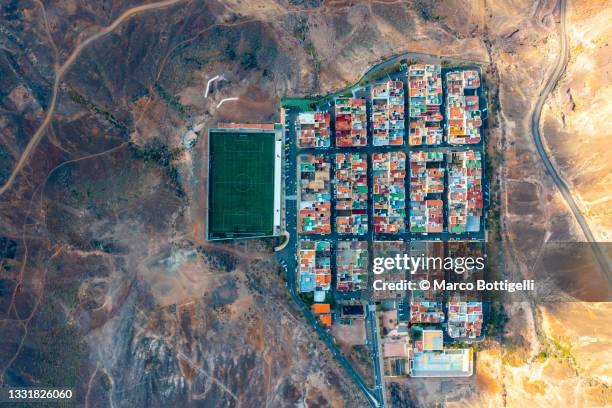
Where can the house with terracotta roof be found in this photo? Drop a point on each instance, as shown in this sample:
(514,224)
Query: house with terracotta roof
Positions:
(351,193)
(424,102)
(462,107)
(323,312)
(351,122)
(313,130)
(388,113)
(314,208)
(389,192)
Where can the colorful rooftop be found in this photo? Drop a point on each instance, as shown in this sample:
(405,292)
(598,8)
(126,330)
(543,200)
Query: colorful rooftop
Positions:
(351,193)
(462,107)
(465,198)
(313,130)
(351,122)
(389,192)
(315,266)
(388,113)
(352,265)
(314,215)
(426,188)
(465,319)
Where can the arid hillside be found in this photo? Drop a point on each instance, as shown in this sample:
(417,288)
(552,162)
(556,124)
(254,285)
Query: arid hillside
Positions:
(577,118)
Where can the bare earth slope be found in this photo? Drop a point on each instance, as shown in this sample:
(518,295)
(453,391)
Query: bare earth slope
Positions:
(106,282)
(577,119)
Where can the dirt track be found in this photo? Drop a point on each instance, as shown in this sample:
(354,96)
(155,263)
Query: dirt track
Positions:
(36,138)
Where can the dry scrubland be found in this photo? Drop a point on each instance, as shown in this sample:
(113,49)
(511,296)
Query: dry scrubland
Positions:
(577,124)
(105,254)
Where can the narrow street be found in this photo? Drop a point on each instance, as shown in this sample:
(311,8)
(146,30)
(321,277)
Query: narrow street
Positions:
(288,255)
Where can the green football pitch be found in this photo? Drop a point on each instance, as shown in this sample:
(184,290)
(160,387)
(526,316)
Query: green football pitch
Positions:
(241,184)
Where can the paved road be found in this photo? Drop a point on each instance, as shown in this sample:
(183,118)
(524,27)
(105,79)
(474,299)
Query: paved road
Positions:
(421,57)
(551,83)
(372,396)
(377,357)
(288,258)
(389,62)
(288,254)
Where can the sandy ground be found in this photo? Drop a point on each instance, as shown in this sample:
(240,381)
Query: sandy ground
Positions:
(577,117)
(137,278)
(350,335)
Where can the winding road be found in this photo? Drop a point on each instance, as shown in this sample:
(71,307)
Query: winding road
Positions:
(536,115)
(59,75)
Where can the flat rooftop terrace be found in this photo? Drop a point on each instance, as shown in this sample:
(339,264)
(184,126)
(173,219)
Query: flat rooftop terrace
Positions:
(244,181)
(448,363)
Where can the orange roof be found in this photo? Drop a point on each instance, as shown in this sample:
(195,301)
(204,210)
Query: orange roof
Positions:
(326,320)
(322,279)
(320,308)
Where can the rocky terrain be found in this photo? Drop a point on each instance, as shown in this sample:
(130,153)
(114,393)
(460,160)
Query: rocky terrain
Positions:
(106,282)
(577,130)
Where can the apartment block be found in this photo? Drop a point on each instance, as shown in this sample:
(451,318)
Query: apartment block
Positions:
(465,318)
(389,249)
(465,198)
(426,188)
(462,107)
(312,129)
(389,192)
(351,122)
(351,265)
(315,266)
(426,306)
(425,100)
(388,113)
(314,214)
(351,193)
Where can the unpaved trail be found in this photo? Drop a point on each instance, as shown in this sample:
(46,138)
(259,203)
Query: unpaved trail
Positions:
(59,74)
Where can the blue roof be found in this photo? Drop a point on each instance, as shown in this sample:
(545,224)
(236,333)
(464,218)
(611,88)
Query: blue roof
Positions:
(307,282)
(473,224)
